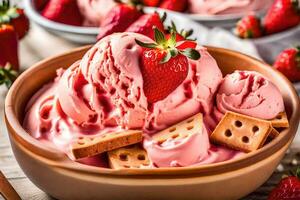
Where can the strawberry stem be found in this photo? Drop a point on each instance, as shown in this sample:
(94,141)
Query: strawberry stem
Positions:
(185,34)
(7,75)
(169,46)
(7,12)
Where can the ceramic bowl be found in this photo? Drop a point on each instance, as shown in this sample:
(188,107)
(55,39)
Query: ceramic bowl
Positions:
(53,172)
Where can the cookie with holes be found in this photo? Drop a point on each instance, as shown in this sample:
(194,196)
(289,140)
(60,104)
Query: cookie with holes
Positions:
(89,146)
(241,132)
(280,121)
(133,156)
(181,130)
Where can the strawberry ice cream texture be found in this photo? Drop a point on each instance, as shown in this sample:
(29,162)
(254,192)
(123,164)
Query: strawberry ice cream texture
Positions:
(103,93)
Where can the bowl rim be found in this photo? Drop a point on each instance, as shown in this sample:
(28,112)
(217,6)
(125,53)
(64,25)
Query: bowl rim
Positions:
(50,155)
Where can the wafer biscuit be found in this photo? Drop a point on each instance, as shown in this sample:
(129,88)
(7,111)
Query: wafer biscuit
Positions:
(280,121)
(133,156)
(241,132)
(181,130)
(87,146)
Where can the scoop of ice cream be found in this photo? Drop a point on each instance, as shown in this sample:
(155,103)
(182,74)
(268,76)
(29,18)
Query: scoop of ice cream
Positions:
(113,67)
(103,92)
(214,7)
(249,93)
(94,11)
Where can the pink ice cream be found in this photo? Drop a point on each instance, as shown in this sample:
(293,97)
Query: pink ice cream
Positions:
(94,11)
(215,7)
(193,150)
(248,93)
(103,93)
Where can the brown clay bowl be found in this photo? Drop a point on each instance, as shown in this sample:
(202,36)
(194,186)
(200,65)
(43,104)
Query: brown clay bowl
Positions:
(54,173)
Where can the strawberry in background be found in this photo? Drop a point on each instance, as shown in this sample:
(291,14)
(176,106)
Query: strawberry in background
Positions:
(287,189)
(63,11)
(288,63)
(175,5)
(151,3)
(14,16)
(249,27)
(119,18)
(8,46)
(283,14)
(145,24)
(40,4)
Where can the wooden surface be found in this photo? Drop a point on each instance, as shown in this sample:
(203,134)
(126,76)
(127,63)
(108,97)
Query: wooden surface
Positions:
(39,45)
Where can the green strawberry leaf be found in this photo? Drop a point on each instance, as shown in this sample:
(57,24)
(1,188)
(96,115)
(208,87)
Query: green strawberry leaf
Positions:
(173,52)
(146,45)
(166,58)
(7,75)
(172,40)
(191,53)
(169,46)
(159,37)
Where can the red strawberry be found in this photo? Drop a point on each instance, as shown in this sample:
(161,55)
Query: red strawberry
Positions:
(8,46)
(164,66)
(63,11)
(118,19)
(180,36)
(14,16)
(40,4)
(288,63)
(152,3)
(249,27)
(144,25)
(282,15)
(187,44)
(287,189)
(175,5)
(7,75)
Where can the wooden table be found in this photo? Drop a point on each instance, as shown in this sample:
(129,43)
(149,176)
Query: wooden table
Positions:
(39,45)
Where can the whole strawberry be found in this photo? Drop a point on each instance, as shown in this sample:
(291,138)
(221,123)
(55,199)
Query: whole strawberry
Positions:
(118,19)
(63,11)
(175,5)
(164,66)
(282,15)
(9,46)
(287,189)
(288,63)
(144,25)
(15,17)
(151,3)
(249,27)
